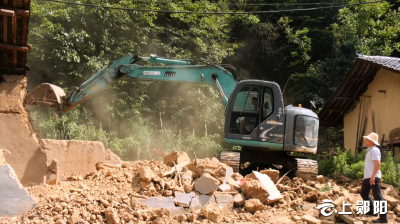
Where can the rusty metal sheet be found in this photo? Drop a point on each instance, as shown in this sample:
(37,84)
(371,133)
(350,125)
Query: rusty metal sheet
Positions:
(46,95)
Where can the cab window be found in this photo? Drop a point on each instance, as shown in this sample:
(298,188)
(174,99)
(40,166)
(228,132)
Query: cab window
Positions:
(268,103)
(247,100)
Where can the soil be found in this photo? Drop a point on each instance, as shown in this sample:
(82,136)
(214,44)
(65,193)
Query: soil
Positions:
(110,195)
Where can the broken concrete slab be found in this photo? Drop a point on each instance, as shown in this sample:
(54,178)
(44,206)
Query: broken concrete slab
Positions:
(182,199)
(14,198)
(79,157)
(225,186)
(206,184)
(253,205)
(266,182)
(175,158)
(168,203)
(146,174)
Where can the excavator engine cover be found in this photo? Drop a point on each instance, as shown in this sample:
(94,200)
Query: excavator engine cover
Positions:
(46,95)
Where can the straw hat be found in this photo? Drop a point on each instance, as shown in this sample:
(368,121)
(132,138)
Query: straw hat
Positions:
(373,137)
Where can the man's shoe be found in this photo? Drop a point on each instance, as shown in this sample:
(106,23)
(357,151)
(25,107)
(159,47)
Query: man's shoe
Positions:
(379,221)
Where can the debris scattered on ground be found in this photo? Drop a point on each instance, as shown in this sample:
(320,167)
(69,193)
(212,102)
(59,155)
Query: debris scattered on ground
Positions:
(178,190)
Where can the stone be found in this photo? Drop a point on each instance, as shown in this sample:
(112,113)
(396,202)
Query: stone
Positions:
(234,185)
(146,174)
(206,184)
(266,183)
(176,157)
(391,201)
(310,219)
(213,213)
(253,189)
(273,174)
(311,197)
(323,195)
(320,178)
(347,219)
(309,189)
(14,198)
(354,190)
(397,209)
(74,157)
(327,222)
(336,189)
(238,200)
(112,216)
(339,202)
(253,205)
(296,218)
(387,190)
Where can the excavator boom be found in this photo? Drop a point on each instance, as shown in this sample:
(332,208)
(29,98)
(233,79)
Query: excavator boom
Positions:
(172,71)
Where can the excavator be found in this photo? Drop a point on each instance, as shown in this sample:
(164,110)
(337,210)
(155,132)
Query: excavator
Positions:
(255,116)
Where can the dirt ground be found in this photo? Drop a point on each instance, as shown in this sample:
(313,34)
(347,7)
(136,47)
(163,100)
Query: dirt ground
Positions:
(115,194)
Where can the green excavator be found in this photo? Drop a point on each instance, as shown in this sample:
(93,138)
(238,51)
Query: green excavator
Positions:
(255,117)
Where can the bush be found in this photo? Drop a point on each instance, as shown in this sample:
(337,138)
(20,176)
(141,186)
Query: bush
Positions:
(353,166)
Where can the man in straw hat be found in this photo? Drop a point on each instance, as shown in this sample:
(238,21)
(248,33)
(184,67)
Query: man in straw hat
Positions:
(372,176)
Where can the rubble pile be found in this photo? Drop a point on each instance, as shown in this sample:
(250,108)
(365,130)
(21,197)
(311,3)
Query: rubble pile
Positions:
(178,190)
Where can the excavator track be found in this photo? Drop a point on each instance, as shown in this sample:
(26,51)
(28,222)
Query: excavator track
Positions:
(231,158)
(307,169)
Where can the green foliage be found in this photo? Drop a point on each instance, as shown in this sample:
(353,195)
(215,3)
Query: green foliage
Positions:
(353,166)
(324,188)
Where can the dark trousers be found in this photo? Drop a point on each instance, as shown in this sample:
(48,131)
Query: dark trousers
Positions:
(376,191)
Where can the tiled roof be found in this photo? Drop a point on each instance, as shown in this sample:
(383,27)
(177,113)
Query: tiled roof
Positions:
(387,62)
(354,85)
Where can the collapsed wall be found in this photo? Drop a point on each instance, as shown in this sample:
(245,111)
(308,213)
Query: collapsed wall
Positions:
(26,155)
(76,157)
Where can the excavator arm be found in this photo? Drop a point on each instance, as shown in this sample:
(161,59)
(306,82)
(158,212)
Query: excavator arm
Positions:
(171,71)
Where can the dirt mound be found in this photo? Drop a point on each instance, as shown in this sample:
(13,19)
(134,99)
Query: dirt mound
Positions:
(153,192)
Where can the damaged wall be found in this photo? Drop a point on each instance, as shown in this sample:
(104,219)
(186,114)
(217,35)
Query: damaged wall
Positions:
(17,135)
(77,157)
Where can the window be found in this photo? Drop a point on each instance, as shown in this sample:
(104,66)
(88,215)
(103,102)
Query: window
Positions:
(268,103)
(247,100)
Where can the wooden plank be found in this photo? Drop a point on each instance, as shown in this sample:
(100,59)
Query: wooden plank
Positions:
(6,12)
(346,98)
(19,12)
(12,47)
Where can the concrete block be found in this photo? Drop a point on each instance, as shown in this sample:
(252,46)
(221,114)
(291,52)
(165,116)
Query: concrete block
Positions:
(14,199)
(206,184)
(176,157)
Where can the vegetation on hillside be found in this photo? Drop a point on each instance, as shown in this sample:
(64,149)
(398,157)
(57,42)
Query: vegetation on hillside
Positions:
(314,49)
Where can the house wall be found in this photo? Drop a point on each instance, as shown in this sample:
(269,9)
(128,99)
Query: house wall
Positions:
(385,105)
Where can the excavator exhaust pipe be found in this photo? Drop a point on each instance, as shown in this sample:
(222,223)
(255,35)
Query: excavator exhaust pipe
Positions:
(46,95)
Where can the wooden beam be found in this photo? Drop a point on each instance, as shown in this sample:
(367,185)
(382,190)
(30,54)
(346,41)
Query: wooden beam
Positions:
(19,12)
(26,4)
(6,12)
(12,47)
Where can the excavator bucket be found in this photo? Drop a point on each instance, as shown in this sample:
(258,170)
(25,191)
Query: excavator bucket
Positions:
(46,95)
